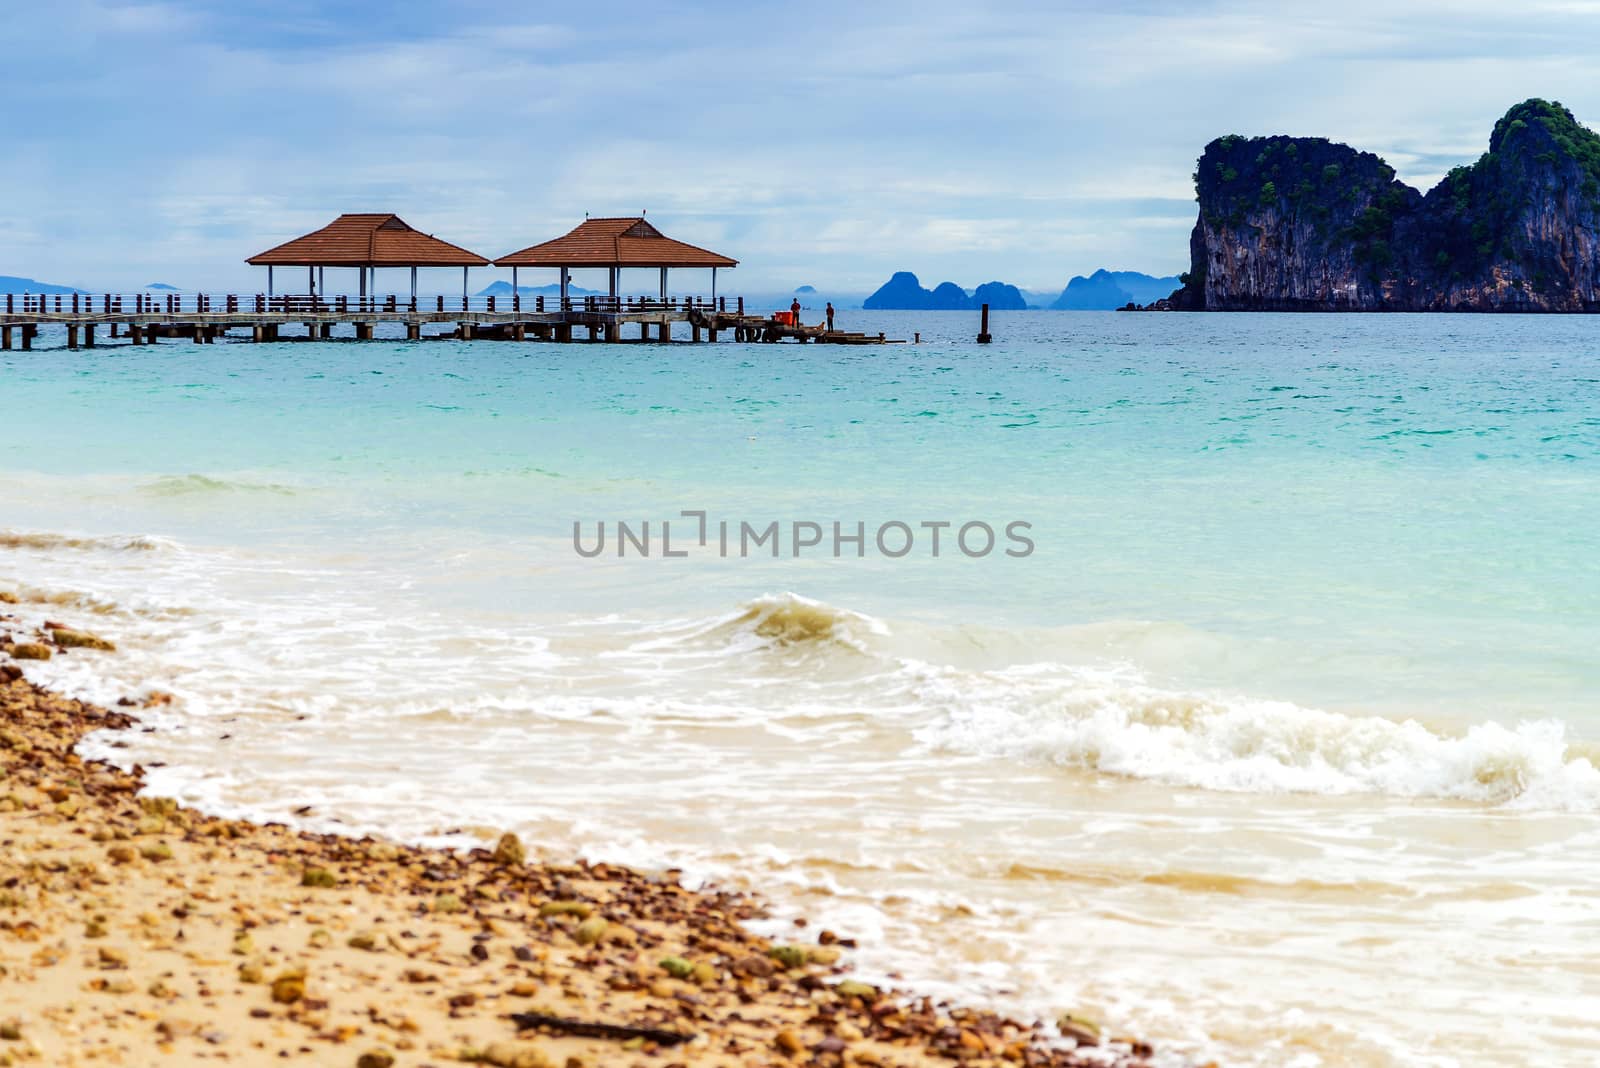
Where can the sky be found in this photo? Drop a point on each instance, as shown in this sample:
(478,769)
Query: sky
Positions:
(821,143)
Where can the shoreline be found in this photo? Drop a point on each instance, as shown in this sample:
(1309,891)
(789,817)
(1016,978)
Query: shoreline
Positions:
(133,929)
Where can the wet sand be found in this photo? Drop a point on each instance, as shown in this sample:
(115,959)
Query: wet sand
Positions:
(134,931)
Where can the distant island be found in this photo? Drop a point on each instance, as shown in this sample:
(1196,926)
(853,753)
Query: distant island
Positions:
(1107,290)
(903,292)
(1305,224)
(13,284)
(162,286)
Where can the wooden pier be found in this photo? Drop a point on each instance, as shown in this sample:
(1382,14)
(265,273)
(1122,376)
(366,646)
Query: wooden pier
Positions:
(144,318)
(368,242)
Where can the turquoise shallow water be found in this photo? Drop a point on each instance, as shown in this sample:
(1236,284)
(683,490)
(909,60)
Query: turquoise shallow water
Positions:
(1407,498)
(1277,747)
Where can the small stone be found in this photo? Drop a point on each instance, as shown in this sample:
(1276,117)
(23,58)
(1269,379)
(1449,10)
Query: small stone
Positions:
(319,877)
(591,930)
(30,651)
(789,1042)
(289,987)
(319,939)
(754,967)
(121,854)
(565,908)
(244,945)
(824,955)
(94,929)
(448,904)
(11,1030)
(1081,1029)
(516,1055)
(366,940)
(705,973)
(375,1058)
(509,850)
(677,967)
(78,639)
(251,972)
(788,956)
(854,988)
(170,1028)
(7,597)
(156,852)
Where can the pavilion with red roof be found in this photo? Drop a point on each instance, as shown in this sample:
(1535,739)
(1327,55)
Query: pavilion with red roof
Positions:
(366,242)
(615,243)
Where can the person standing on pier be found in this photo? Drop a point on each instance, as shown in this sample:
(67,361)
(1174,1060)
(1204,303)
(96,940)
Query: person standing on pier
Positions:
(830,316)
(794,312)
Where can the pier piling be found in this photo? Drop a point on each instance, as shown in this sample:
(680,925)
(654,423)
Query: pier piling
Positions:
(984,336)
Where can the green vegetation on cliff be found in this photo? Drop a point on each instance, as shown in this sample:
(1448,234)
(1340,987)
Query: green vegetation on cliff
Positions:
(1303,222)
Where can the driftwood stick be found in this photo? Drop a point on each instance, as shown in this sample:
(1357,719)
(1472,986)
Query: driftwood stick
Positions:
(526,1021)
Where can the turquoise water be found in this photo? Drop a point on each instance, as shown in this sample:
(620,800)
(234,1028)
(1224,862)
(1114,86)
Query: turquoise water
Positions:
(1312,604)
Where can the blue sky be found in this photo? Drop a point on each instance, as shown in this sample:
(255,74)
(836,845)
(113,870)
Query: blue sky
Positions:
(824,143)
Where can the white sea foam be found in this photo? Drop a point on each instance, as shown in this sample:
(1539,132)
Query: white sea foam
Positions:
(1113,722)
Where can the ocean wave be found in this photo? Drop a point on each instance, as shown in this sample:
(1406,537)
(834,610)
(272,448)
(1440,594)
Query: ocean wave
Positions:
(1114,723)
(188,485)
(12,539)
(771,621)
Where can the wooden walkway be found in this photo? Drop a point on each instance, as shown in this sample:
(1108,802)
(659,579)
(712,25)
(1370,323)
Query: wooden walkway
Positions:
(146,318)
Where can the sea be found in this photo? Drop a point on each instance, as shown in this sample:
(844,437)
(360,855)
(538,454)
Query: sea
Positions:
(1231,680)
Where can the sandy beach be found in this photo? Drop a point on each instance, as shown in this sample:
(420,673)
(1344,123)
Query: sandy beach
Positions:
(134,931)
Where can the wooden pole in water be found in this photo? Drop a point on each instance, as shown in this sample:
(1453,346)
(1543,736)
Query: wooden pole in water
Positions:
(984,336)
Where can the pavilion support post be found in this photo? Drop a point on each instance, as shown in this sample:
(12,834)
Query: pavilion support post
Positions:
(464,271)
(311,280)
(322,280)
(713,289)
(413,285)
(616,281)
(566,280)
(663,285)
(363,293)
(269,280)
(516,292)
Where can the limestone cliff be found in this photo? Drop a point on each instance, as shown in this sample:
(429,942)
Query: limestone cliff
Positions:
(1303,224)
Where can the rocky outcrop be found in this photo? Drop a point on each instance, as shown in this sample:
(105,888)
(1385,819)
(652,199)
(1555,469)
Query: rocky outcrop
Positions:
(1000,296)
(903,292)
(1106,290)
(1304,224)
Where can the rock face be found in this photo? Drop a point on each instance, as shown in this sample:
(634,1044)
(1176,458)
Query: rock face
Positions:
(1303,224)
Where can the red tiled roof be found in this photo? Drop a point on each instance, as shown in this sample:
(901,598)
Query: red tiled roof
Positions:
(630,242)
(367,240)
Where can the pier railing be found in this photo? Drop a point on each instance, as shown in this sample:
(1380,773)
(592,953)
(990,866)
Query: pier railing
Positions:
(111,305)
